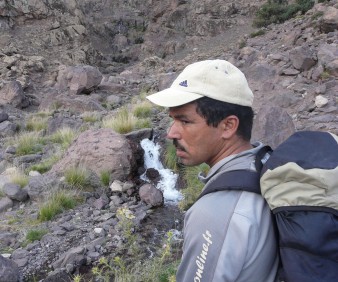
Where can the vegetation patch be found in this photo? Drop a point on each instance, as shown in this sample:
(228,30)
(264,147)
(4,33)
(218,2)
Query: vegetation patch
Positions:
(124,122)
(142,110)
(45,165)
(105,177)
(161,268)
(170,158)
(37,123)
(64,136)
(19,178)
(57,203)
(278,11)
(257,33)
(35,235)
(27,143)
(77,177)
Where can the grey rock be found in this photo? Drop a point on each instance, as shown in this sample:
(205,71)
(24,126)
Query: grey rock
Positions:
(151,195)
(9,270)
(5,204)
(15,192)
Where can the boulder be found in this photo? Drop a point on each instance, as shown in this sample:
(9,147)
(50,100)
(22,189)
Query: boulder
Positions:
(14,192)
(151,195)
(329,21)
(12,94)
(272,126)
(99,150)
(78,79)
(9,271)
(302,58)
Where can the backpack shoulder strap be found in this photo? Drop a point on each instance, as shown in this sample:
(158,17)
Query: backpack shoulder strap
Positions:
(244,180)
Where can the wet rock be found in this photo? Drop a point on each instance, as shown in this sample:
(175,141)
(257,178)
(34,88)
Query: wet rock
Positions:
(151,195)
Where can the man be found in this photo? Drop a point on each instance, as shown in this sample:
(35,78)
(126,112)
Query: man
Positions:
(228,235)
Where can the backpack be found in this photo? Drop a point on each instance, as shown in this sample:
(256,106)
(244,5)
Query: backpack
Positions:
(299,181)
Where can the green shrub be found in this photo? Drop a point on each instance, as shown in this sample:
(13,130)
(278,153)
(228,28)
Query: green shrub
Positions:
(105,177)
(35,235)
(161,268)
(77,177)
(19,178)
(257,33)
(28,143)
(90,117)
(45,165)
(58,202)
(142,110)
(125,122)
(279,11)
(37,123)
(64,136)
(242,44)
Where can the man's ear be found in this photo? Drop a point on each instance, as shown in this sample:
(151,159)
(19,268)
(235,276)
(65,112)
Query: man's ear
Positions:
(229,126)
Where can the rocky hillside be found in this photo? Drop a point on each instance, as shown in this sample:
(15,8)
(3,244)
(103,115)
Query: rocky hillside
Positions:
(70,58)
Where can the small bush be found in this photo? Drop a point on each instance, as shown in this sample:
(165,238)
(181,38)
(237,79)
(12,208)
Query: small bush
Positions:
(275,11)
(77,177)
(142,110)
(28,143)
(161,268)
(45,165)
(325,75)
(257,33)
(125,122)
(37,123)
(35,235)
(57,203)
(64,136)
(90,117)
(19,178)
(242,44)
(105,177)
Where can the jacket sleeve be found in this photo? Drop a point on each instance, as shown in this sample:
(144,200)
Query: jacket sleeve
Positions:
(215,240)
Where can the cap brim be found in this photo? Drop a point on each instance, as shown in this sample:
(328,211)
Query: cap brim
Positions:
(173,98)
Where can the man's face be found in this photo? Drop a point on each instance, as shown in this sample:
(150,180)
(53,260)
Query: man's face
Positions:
(195,141)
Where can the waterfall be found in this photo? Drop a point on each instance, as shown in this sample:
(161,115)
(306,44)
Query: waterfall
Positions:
(167,184)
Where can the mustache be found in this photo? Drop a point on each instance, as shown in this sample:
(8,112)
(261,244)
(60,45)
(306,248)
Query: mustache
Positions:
(178,145)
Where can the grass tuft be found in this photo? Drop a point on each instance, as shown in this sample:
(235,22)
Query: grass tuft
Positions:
(37,123)
(105,177)
(58,202)
(19,178)
(45,165)
(77,177)
(125,122)
(142,110)
(27,143)
(64,136)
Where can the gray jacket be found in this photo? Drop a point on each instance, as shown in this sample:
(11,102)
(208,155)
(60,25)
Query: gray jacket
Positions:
(228,235)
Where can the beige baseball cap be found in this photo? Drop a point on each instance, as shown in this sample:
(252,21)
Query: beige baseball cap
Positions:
(216,79)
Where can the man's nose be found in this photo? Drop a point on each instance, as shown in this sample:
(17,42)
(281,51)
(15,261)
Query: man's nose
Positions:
(172,132)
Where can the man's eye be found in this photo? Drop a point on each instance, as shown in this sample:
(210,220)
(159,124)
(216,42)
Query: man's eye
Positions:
(184,122)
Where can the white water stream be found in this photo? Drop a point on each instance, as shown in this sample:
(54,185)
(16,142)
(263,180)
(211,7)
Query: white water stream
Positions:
(167,184)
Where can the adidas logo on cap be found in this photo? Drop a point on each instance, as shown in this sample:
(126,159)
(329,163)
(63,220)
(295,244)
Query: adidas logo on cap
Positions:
(184,83)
